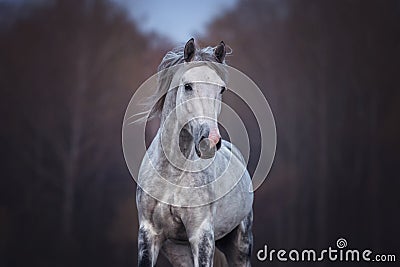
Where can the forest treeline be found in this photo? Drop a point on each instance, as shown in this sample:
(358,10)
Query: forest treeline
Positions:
(329,70)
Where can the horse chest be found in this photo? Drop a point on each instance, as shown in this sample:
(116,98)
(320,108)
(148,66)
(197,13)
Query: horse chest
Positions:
(170,221)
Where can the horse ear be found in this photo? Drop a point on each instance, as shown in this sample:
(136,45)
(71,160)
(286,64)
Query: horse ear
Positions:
(220,52)
(188,52)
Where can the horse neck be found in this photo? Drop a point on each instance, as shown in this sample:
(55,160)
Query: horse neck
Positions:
(177,137)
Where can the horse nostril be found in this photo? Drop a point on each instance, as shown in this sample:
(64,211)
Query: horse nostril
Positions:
(205,151)
(218,145)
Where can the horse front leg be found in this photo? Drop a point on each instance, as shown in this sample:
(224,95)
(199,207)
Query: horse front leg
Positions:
(203,245)
(149,244)
(237,245)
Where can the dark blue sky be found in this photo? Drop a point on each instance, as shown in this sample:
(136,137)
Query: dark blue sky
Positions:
(179,20)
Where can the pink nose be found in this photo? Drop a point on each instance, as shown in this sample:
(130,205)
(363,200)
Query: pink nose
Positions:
(214,136)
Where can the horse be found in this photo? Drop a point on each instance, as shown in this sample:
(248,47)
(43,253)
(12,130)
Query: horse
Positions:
(194,192)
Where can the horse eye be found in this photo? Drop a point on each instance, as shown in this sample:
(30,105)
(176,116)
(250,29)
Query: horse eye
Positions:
(188,87)
(223,88)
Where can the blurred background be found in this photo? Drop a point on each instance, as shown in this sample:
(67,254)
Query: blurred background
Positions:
(329,69)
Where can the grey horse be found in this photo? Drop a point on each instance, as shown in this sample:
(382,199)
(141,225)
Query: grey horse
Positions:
(194,193)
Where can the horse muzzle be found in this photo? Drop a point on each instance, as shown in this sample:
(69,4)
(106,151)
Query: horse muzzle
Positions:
(207,142)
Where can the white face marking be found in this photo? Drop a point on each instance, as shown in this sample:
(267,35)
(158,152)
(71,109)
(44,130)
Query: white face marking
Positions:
(203,74)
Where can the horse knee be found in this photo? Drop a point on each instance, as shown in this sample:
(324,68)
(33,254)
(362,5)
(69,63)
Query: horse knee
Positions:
(203,246)
(148,247)
(206,249)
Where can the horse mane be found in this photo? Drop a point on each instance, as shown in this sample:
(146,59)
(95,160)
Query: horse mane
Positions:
(166,73)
